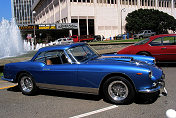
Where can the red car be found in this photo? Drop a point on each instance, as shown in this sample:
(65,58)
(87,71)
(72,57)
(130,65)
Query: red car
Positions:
(162,47)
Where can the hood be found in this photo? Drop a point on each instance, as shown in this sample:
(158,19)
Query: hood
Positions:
(128,57)
(118,60)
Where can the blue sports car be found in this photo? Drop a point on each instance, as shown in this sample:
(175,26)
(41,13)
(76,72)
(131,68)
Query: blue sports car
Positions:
(78,68)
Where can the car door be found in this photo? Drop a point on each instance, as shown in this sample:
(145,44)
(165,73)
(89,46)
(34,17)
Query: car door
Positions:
(157,49)
(169,48)
(58,71)
(162,50)
(148,33)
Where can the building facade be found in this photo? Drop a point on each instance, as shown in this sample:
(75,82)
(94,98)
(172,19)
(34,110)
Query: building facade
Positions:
(95,17)
(21,11)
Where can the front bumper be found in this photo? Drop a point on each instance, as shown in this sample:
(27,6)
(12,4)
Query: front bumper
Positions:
(157,86)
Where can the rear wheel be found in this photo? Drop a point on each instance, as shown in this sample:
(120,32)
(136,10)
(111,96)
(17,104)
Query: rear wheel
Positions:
(118,90)
(144,53)
(27,84)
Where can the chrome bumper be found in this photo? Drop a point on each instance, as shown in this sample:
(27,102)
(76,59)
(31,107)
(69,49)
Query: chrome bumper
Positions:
(157,86)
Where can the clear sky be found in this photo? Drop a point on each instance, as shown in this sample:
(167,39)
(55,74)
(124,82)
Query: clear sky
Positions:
(5,9)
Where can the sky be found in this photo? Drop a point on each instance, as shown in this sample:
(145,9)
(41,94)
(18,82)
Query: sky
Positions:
(5,9)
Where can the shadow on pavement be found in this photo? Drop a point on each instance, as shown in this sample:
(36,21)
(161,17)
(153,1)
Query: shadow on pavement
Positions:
(61,94)
(148,98)
(139,99)
(69,95)
(14,89)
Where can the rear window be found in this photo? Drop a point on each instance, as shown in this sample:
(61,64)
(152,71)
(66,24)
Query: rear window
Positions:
(142,42)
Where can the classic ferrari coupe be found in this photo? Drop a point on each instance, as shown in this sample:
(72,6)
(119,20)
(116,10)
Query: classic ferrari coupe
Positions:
(78,68)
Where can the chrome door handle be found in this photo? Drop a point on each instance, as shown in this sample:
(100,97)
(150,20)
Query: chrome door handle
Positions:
(46,68)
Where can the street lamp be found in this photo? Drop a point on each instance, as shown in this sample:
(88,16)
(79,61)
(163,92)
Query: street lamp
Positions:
(122,10)
(34,12)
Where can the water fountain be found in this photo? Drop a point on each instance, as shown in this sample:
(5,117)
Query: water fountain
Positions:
(11,43)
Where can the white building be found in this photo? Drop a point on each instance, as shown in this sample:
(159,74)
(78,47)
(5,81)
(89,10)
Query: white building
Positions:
(97,17)
(21,11)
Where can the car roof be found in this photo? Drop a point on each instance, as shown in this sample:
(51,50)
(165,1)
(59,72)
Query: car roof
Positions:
(57,47)
(60,47)
(161,35)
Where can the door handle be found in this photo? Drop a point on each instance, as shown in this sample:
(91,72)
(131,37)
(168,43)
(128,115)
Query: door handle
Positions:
(46,68)
(163,48)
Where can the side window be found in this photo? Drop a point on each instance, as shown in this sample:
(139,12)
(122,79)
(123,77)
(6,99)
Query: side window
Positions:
(169,41)
(156,42)
(52,57)
(40,58)
(55,57)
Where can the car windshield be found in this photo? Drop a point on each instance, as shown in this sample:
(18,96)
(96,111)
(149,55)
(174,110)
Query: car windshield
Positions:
(142,42)
(82,53)
(141,31)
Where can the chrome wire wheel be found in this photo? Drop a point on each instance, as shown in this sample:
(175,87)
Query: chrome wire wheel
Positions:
(118,90)
(26,84)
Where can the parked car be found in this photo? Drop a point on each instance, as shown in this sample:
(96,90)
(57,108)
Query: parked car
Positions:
(144,34)
(162,47)
(63,40)
(78,68)
(99,38)
(82,38)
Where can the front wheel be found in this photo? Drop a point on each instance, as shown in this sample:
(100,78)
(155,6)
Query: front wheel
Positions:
(118,90)
(27,84)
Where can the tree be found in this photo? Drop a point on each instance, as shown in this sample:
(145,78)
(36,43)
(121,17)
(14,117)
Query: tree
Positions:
(150,19)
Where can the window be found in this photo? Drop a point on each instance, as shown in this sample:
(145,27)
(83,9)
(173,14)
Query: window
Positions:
(142,42)
(52,57)
(81,53)
(146,32)
(156,42)
(169,40)
(40,58)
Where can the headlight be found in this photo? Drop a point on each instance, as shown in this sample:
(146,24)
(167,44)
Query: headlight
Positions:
(150,74)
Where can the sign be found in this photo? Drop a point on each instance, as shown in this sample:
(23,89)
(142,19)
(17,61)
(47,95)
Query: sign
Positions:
(59,26)
(27,27)
(68,26)
(49,26)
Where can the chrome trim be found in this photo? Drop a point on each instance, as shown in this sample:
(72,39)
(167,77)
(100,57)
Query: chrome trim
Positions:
(156,87)
(76,89)
(7,79)
(118,90)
